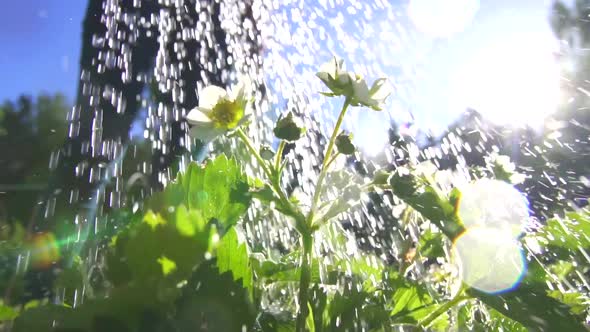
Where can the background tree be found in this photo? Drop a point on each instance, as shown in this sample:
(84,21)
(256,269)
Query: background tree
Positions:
(31,130)
(141,62)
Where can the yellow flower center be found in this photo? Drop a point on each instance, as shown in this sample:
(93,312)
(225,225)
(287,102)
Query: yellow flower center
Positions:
(226,114)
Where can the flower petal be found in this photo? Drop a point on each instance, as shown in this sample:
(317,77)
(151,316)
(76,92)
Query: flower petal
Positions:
(379,90)
(241,89)
(345,77)
(198,116)
(211,95)
(323,76)
(244,119)
(339,63)
(330,68)
(248,111)
(361,91)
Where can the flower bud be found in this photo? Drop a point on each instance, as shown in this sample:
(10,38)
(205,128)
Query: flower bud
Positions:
(344,144)
(381,177)
(266,152)
(288,128)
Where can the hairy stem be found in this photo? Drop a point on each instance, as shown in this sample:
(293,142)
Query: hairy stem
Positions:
(283,200)
(279,156)
(307,230)
(327,159)
(305,280)
(254,152)
(443,308)
(332,159)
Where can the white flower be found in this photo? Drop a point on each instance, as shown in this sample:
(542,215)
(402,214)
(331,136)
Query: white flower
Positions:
(374,97)
(351,85)
(332,73)
(219,111)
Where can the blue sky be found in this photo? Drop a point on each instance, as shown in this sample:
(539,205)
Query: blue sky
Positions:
(40,44)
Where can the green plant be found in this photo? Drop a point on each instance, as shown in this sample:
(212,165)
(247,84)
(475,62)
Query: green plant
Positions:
(184,261)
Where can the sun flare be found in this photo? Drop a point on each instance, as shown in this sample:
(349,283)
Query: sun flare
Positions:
(511,82)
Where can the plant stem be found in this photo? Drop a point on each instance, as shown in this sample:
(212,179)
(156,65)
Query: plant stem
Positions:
(332,160)
(327,158)
(279,156)
(305,280)
(254,152)
(443,308)
(307,230)
(283,200)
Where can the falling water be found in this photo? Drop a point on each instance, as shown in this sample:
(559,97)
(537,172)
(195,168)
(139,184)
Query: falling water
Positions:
(279,46)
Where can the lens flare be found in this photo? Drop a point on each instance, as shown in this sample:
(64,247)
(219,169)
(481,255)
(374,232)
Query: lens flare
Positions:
(489,259)
(44,250)
(493,203)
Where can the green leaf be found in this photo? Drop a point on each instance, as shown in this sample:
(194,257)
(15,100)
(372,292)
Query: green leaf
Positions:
(40,318)
(528,303)
(431,244)
(424,198)
(7,313)
(532,307)
(168,266)
(408,298)
(477,318)
(413,317)
(562,269)
(577,302)
(189,222)
(276,322)
(411,302)
(285,270)
(31,304)
(366,267)
(352,308)
(153,220)
(215,300)
(349,192)
(233,256)
(219,190)
(570,233)
(137,254)
(264,194)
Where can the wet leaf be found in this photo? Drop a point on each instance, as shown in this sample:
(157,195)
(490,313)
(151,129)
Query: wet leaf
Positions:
(424,198)
(218,189)
(569,233)
(233,257)
(431,244)
(577,302)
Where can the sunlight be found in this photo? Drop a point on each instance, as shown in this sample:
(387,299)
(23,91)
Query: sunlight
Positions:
(442,18)
(371,133)
(512,82)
